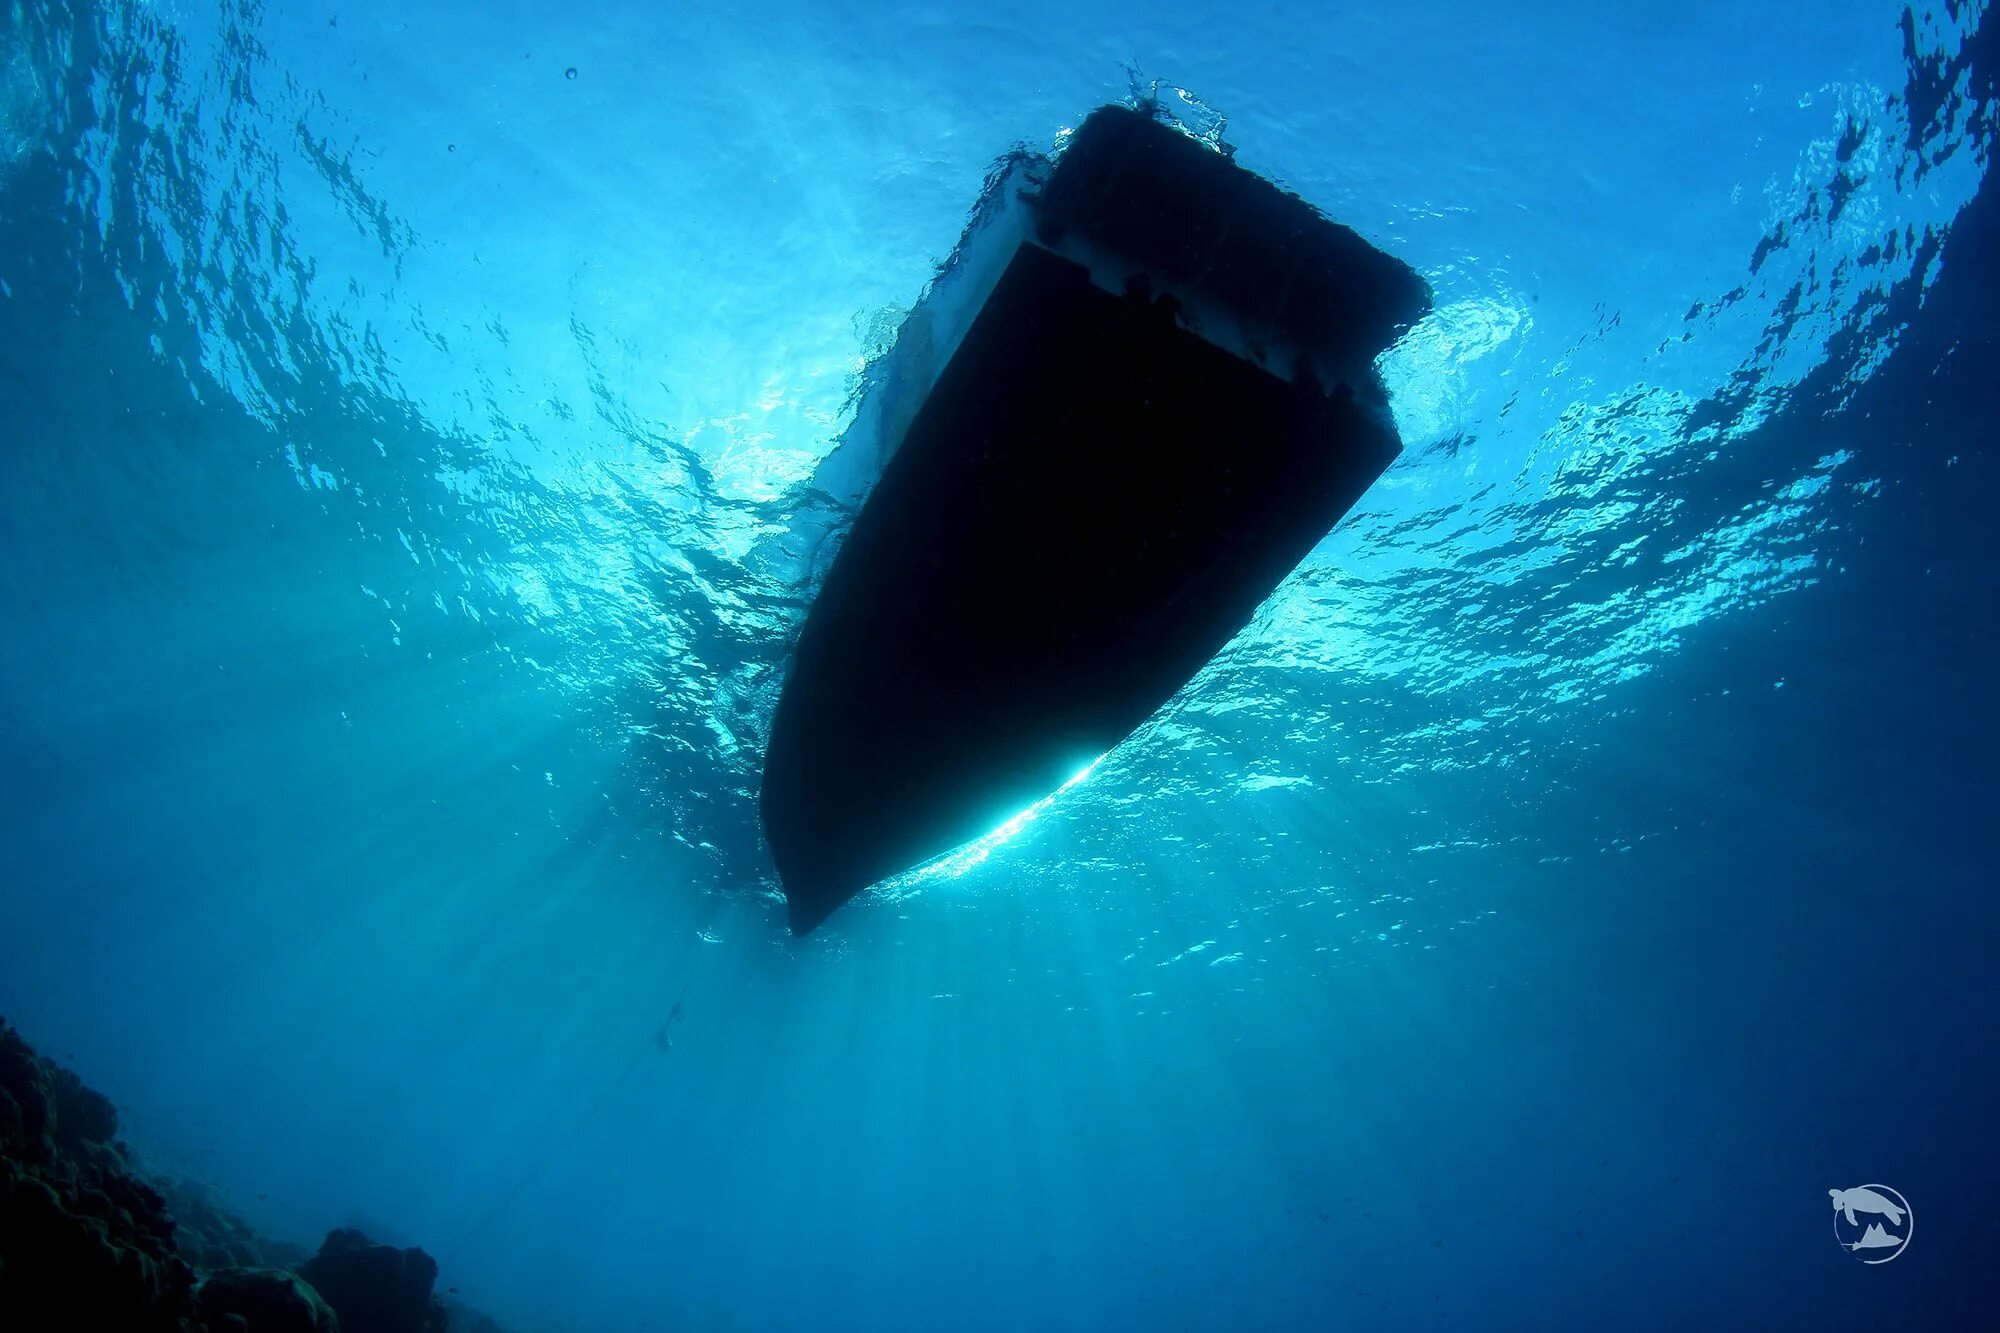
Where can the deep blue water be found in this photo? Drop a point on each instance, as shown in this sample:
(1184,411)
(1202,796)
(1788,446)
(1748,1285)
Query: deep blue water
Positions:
(1579,867)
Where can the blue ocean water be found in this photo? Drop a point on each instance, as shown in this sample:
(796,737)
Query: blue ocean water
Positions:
(1581,865)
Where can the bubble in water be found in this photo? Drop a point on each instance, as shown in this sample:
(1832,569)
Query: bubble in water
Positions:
(570,73)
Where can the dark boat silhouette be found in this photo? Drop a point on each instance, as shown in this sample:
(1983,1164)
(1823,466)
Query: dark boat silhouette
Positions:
(1144,393)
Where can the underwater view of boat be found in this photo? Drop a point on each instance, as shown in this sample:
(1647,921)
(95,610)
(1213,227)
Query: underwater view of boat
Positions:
(883,668)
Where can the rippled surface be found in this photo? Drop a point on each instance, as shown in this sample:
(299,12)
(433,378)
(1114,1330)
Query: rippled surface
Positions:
(412,411)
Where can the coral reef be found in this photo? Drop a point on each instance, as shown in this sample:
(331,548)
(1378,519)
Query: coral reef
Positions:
(263,1300)
(86,1243)
(376,1288)
(211,1237)
(83,1242)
